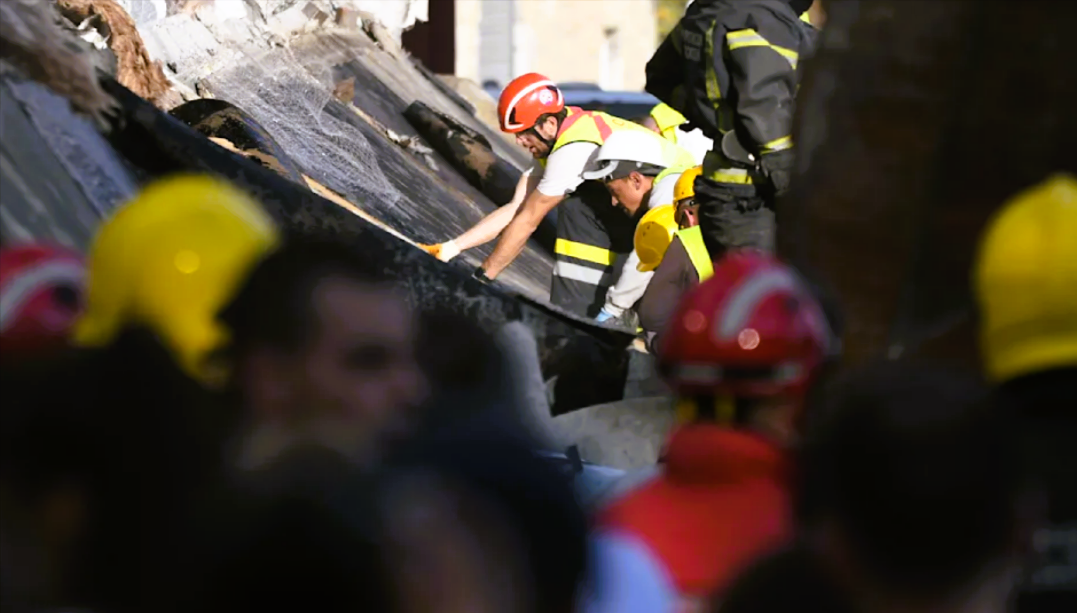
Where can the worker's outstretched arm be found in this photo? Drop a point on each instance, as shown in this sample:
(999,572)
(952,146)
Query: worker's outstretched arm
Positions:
(764,75)
(490,226)
(534,208)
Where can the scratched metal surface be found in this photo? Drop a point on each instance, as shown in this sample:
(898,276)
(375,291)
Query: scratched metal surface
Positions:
(424,204)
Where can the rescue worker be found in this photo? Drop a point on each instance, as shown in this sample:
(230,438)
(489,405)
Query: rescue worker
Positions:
(671,125)
(41,295)
(732,69)
(685,263)
(640,171)
(740,355)
(590,233)
(1025,279)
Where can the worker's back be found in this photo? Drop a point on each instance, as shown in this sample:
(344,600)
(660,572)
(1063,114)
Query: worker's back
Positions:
(686,79)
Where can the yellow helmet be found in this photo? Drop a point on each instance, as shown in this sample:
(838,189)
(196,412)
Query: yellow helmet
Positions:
(654,232)
(686,184)
(169,260)
(1025,278)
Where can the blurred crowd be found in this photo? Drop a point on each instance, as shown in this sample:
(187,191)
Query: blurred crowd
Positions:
(208,412)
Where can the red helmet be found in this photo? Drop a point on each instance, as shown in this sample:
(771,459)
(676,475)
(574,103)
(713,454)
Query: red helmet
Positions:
(525,99)
(752,330)
(41,294)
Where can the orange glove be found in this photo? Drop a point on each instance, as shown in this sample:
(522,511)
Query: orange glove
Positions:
(442,251)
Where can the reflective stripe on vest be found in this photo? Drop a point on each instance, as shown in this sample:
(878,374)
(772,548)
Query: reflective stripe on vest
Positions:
(582,251)
(692,239)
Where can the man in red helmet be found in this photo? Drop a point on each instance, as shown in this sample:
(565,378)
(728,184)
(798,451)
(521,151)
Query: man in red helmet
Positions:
(594,239)
(41,289)
(741,352)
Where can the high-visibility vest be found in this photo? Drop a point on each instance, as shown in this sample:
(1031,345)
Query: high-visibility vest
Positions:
(692,239)
(589,127)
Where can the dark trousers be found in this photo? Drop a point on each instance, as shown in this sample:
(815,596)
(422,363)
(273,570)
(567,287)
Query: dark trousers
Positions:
(733,217)
(591,234)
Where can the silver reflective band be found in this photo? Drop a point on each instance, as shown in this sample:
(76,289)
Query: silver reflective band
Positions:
(568,270)
(20,289)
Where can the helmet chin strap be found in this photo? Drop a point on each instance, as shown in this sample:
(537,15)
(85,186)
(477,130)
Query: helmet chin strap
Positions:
(549,142)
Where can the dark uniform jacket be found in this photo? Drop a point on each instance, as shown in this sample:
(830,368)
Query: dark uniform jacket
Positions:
(733,65)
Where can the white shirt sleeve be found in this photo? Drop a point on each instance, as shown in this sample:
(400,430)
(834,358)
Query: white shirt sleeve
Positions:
(630,286)
(662,192)
(564,168)
(695,142)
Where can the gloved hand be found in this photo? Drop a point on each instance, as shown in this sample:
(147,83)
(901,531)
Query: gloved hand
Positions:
(777,167)
(442,251)
(604,316)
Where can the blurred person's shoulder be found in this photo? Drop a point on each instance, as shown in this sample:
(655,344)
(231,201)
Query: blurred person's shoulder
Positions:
(788,580)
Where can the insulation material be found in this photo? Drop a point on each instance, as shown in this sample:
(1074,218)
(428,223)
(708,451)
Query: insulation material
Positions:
(136,70)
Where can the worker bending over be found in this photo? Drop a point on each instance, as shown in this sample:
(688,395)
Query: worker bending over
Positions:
(678,256)
(640,171)
(590,233)
(731,68)
(741,355)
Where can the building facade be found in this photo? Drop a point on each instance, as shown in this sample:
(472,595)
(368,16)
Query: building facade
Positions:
(604,42)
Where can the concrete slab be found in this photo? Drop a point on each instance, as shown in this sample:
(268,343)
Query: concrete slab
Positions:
(628,434)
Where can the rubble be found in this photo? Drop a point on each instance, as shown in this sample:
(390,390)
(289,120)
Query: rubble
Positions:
(136,70)
(310,119)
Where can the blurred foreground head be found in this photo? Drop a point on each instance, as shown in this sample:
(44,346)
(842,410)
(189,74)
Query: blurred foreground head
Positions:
(302,529)
(746,346)
(323,346)
(168,261)
(913,489)
(41,294)
(484,523)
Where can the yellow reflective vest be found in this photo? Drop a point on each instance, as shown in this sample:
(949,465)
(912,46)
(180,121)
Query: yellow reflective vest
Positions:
(588,127)
(692,239)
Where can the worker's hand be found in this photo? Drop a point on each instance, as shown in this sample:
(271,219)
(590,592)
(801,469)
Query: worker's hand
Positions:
(603,316)
(442,251)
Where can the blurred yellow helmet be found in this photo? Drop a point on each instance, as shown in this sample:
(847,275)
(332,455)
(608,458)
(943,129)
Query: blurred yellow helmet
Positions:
(686,184)
(1025,278)
(169,260)
(654,232)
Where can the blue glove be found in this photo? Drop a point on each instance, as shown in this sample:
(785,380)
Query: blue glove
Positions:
(603,316)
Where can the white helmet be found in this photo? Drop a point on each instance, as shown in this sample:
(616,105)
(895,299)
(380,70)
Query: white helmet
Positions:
(628,150)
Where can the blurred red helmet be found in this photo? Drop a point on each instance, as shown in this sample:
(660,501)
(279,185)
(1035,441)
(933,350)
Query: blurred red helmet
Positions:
(752,330)
(41,294)
(525,99)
